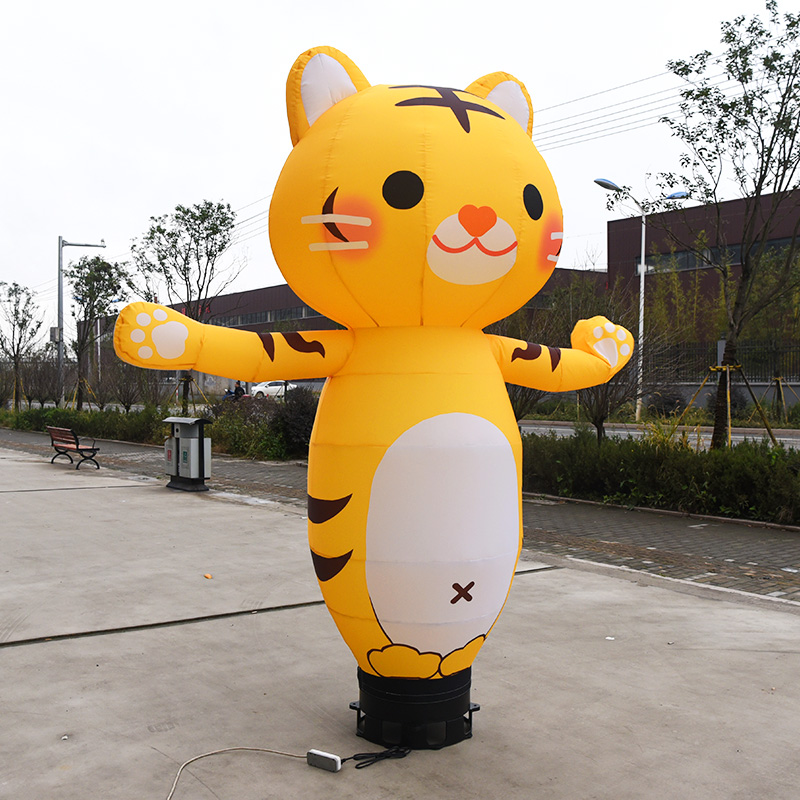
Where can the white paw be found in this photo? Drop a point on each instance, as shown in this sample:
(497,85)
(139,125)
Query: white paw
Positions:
(169,338)
(612,342)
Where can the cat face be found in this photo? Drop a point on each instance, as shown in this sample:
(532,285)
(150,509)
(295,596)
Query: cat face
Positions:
(411,205)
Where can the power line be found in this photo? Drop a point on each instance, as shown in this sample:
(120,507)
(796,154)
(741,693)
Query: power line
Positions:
(260,200)
(251,235)
(256,219)
(552,140)
(675,93)
(614,132)
(604,91)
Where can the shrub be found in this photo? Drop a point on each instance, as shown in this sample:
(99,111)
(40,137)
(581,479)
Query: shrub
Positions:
(294,420)
(667,401)
(751,480)
(265,427)
(740,399)
(141,426)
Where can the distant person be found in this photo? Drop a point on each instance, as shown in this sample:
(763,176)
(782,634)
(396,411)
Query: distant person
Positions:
(238,391)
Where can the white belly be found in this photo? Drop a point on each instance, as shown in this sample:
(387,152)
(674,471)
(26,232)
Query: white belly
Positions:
(443,532)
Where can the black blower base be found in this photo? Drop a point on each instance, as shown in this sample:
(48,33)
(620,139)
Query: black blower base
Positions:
(421,714)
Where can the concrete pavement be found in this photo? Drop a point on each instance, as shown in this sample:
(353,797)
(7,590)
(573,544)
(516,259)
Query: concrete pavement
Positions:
(749,557)
(119,661)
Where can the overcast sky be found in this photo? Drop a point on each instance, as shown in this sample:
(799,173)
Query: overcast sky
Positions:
(115,112)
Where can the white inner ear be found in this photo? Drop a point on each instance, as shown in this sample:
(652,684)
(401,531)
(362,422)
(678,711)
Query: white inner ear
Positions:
(510,97)
(324,83)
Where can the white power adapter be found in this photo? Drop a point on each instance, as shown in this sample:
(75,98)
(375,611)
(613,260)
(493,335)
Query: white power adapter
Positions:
(323,760)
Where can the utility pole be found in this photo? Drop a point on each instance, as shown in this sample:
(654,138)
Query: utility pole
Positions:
(610,186)
(62,243)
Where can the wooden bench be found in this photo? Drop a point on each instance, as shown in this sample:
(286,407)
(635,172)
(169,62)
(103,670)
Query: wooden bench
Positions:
(65,441)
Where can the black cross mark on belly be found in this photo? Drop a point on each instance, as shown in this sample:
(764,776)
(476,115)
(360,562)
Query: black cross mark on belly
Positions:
(462,591)
(447,99)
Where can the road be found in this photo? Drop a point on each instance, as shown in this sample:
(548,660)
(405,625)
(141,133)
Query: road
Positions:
(785,436)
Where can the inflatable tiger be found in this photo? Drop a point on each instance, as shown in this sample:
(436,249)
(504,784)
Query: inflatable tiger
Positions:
(415,216)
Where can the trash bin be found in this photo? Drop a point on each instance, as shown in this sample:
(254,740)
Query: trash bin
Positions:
(187,454)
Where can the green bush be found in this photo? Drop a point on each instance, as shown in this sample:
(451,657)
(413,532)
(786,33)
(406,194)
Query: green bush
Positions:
(265,428)
(137,426)
(294,419)
(747,481)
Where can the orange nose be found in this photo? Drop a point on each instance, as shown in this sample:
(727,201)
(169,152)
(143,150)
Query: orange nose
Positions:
(476,221)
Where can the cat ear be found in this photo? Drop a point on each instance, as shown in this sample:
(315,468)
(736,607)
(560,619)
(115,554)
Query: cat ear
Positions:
(319,79)
(506,91)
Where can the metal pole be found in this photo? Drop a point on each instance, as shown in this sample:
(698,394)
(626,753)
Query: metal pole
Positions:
(97,347)
(60,322)
(610,186)
(641,319)
(61,245)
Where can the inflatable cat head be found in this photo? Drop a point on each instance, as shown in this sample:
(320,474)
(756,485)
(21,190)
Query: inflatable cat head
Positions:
(411,205)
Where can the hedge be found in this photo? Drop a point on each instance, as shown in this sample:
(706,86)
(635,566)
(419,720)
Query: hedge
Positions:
(751,480)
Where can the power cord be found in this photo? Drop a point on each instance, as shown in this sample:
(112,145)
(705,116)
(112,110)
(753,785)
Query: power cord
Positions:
(367,759)
(225,750)
(315,758)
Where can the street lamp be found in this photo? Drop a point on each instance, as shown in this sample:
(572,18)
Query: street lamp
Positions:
(62,243)
(612,187)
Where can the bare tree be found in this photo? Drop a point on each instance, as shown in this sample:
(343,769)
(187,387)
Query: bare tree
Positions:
(41,376)
(125,383)
(581,300)
(19,329)
(6,385)
(154,390)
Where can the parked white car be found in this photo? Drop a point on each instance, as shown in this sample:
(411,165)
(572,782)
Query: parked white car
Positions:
(271,388)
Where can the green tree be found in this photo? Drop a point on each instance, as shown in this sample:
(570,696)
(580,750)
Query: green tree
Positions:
(684,301)
(741,138)
(20,324)
(179,260)
(96,285)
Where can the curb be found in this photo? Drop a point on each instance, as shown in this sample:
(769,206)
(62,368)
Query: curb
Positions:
(673,584)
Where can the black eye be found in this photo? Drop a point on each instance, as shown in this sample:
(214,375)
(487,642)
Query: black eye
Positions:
(403,189)
(533,201)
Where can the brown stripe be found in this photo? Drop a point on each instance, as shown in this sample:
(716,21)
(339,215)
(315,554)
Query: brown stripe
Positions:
(297,342)
(327,568)
(555,357)
(269,344)
(320,511)
(327,208)
(531,352)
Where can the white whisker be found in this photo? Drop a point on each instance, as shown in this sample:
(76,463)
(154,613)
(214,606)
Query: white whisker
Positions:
(557,235)
(552,258)
(346,219)
(339,246)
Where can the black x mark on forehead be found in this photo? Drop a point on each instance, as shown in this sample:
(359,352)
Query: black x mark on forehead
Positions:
(447,99)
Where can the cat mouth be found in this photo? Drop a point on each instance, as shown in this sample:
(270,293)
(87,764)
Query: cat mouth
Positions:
(472,248)
(476,242)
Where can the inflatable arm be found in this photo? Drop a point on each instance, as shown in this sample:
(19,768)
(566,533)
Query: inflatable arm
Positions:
(600,349)
(157,337)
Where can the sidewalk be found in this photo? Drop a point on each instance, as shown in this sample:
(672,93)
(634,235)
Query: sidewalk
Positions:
(753,558)
(120,660)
